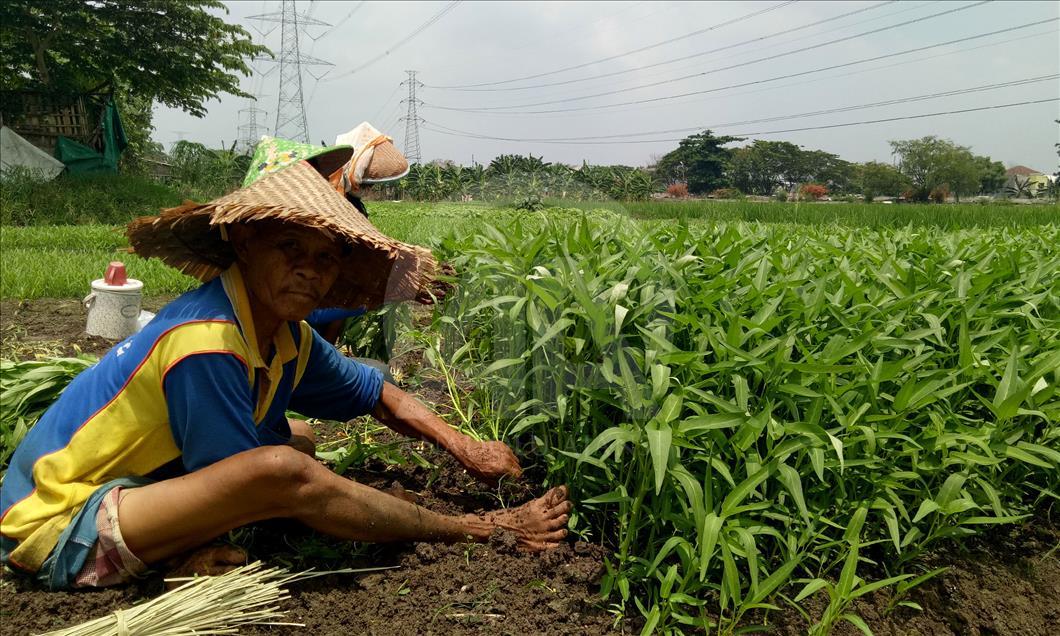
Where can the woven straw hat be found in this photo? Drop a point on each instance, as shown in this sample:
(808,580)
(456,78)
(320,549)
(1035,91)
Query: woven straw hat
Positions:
(379,269)
(375,159)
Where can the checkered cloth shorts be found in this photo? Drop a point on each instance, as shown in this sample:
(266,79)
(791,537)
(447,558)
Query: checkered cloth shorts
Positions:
(110,561)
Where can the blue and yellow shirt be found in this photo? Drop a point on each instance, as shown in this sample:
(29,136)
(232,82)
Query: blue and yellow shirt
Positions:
(191,389)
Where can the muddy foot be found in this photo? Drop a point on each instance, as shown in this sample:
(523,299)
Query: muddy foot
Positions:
(210,560)
(539,524)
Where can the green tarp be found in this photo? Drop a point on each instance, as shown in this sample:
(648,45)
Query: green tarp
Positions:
(81,159)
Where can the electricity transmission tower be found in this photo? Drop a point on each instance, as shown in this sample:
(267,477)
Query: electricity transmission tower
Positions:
(290,107)
(251,131)
(412,120)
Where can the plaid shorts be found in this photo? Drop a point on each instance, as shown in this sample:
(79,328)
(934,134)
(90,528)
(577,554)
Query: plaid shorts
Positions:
(110,562)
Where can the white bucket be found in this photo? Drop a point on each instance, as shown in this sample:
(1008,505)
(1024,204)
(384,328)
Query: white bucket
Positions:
(114,310)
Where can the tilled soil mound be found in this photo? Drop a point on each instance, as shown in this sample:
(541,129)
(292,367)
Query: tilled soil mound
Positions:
(1006,582)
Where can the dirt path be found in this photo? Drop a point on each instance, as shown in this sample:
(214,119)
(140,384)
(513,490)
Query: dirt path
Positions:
(1006,582)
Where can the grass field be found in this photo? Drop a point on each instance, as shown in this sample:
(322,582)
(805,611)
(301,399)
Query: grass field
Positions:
(61,260)
(998,214)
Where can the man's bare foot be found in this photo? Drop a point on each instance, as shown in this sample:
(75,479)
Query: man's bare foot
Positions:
(540,524)
(210,560)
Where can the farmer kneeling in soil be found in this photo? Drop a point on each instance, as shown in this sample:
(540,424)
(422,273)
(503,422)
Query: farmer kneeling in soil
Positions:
(179,434)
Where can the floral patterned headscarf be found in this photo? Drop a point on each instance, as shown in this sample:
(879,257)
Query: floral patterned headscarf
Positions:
(273,153)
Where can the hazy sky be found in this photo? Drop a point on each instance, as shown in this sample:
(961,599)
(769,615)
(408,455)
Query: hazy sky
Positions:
(624,54)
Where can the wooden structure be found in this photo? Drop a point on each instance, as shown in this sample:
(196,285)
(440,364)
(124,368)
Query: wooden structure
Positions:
(41,118)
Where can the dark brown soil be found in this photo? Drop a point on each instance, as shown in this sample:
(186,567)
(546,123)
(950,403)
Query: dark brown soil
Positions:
(1007,582)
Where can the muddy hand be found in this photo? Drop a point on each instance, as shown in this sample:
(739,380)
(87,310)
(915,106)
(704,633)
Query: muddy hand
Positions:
(540,524)
(442,284)
(488,461)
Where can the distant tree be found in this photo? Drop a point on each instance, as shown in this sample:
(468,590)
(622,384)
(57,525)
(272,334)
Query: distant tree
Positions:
(171,51)
(931,163)
(991,175)
(764,165)
(826,168)
(880,179)
(699,161)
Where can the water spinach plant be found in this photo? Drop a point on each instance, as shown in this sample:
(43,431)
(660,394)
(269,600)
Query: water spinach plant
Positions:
(750,412)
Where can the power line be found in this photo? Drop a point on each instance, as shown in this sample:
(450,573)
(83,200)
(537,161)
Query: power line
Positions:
(387,102)
(878,68)
(493,110)
(640,50)
(417,31)
(680,59)
(772,132)
(828,111)
(732,66)
(340,22)
(1021,38)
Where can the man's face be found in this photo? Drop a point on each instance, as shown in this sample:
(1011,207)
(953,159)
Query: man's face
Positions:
(288,269)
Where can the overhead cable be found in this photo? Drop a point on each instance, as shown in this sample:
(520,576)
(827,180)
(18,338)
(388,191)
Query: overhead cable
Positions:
(683,58)
(828,111)
(340,22)
(494,110)
(741,64)
(640,50)
(393,47)
(427,126)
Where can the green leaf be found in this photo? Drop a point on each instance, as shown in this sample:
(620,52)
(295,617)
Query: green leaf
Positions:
(858,622)
(846,577)
(617,495)
(551,332)
(503,363)
(852,534)
(1014,452)
(779,576)
(738,494)
(790,478)
(659,437)
(950,488)
(927,507)
(1005,387)
(838,446)
(710,422)
(660,381)
(810,588)
(708,541)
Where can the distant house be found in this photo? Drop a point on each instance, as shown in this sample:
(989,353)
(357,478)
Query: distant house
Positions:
(1036,181)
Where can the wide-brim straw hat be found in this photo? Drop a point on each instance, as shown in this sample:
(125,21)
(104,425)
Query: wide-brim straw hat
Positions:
(378,270)
(375,158)
(274,153)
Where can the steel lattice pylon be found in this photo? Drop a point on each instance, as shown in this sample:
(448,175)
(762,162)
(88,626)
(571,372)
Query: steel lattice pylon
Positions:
(250,132)
(290,109)
(290,106)
(412,121)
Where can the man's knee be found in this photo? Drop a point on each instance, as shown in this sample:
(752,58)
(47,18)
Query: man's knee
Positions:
(279,469)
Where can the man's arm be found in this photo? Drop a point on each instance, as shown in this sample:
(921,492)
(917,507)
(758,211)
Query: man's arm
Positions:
(404,414)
